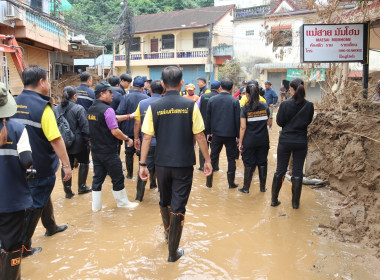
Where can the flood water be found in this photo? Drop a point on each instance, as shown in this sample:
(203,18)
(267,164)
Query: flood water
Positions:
(227,235)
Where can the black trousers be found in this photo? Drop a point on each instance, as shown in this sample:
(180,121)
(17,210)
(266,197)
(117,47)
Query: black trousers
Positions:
(217,145)
(82,157)
(255,156)
(150,159)
(174,184)
(107,164)
(129,151)
(11,225)
(284,150)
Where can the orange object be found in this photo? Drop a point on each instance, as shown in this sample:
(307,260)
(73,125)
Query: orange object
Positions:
(15,50)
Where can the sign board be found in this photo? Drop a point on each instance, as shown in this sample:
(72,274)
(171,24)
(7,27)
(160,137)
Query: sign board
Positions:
(334,42)
(209,68)
(314,75)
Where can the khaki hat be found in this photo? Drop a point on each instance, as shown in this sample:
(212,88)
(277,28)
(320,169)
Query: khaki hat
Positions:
(8,106)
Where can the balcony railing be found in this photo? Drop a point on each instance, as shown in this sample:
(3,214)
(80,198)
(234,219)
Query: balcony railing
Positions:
(223,50)
(159,55)
(164,55)
(251,12)
(45,24)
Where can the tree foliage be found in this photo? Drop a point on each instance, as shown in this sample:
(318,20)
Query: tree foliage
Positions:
(231,70)
(97,18)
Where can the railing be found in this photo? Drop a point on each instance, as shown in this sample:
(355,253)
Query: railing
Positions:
(251,12)
(164,55)
(45,25)
(159,55)
(192,54)
(223,50)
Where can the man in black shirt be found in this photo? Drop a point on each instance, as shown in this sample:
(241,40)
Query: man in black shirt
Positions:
(223,124)
(203,101)
(175,121)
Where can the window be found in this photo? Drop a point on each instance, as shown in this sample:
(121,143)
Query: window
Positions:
(200,39)
(282,37)
(135,44)
(249,32)
(167,41)
(37,4)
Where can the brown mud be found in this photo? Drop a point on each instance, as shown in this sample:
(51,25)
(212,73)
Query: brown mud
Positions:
(227,235)
(344,148)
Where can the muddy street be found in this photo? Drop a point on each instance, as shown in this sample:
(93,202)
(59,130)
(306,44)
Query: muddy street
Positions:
(227,235)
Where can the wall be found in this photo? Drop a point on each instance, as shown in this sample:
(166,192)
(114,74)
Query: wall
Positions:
(241,3)
(32,56)
(223,30)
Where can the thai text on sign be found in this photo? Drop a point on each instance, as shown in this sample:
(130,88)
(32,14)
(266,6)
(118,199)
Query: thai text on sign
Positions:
(334,43)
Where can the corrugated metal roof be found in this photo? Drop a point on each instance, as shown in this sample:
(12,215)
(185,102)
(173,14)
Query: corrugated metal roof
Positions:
(183,19)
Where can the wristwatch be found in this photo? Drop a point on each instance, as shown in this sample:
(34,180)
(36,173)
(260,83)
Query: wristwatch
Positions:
(142,164)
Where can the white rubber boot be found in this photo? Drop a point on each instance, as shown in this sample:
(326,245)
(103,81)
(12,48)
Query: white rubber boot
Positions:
(121,199)
(96,201)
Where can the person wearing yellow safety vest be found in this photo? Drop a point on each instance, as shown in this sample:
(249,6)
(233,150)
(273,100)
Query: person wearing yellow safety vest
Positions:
(244,98)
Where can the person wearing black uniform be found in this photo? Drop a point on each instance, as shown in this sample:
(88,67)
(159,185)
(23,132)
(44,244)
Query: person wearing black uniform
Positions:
(175,121)
(125,81)
(294,116)
(104,133)
(202,103)
(157,91)
(254,138)
(76,116)
(128,105)
(223,124)
(15,198)
(86,95)
(35,112)
(114,81)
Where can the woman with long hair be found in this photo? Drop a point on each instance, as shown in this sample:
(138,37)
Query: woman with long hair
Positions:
(77,118)
(294,116)
(254,138)
(15,198)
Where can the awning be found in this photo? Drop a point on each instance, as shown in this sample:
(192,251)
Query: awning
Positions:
(61,5)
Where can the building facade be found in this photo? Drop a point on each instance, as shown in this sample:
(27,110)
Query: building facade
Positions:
(197,40)
(35,30)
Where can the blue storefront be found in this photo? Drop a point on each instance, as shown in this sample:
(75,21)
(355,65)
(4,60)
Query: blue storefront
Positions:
(190,73)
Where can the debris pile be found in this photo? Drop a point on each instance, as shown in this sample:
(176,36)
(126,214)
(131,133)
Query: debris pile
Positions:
(344,148)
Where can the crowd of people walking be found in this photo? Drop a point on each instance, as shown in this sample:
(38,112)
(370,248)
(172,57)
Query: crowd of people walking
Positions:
(159,125)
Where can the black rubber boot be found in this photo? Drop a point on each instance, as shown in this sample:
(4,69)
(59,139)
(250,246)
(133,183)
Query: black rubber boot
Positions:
(209,181)
(140,189)
(216,166)
(248,174)
(276,187)
(153,180)
(32,217)
(82,177)
(11,265)
(129,164)
(165,214)
(175,232)
(67,186)
(263,177)
(296,191)
(48,220)
(231,180)
(201,161)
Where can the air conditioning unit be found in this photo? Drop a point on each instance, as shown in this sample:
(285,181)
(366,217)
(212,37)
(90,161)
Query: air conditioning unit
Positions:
(12,12)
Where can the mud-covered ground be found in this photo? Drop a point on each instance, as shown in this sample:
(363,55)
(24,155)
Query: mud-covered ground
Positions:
(227,235)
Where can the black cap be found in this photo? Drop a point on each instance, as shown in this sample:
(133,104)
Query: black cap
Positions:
(101,87)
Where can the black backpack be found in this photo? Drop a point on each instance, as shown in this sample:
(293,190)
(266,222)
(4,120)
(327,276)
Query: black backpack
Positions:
(64,127)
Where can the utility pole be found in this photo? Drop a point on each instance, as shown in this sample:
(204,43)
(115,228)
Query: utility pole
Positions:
(210,53)
(127,35)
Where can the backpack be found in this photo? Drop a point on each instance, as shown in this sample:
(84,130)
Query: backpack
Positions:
(64,127)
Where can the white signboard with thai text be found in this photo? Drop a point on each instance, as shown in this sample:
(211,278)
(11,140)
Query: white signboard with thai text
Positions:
(334,42)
